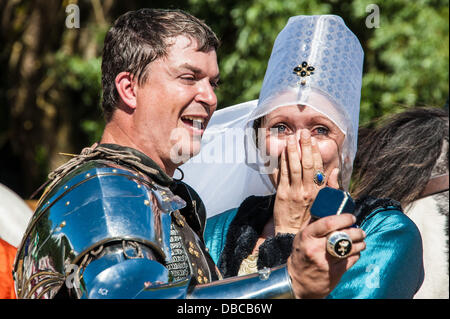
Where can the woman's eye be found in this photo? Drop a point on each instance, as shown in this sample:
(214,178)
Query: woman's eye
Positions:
(281,128)
(321,130)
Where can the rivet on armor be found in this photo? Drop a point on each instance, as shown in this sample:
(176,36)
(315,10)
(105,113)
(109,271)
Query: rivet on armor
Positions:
(264,273)
(67,203)
(66,187)
(180,222)
(146,202)
(114,171)
(205,280)
(63,223)
(88,175)
(200,272)
(200,279)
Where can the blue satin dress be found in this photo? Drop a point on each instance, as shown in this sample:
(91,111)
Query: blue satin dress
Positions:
(391,266)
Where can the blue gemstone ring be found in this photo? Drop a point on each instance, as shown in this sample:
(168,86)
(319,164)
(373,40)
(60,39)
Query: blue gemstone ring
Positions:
(319,178)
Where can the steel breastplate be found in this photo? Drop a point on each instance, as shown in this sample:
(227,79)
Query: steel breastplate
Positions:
(96,206)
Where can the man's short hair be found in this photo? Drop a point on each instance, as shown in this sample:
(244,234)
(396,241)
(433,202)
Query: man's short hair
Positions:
(139,37)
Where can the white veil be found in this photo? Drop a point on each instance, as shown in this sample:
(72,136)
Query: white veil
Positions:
(316,61)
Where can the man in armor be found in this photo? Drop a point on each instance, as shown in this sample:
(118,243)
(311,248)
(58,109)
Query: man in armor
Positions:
(113,223)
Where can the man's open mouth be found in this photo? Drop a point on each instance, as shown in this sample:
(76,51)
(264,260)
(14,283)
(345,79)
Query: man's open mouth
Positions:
(194,121)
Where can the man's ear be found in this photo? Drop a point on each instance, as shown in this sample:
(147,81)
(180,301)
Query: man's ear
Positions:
(125,86)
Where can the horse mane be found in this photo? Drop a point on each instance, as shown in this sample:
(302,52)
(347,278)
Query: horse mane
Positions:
(397,155)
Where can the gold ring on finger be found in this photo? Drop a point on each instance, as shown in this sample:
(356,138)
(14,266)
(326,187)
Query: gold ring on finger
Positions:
(339,244)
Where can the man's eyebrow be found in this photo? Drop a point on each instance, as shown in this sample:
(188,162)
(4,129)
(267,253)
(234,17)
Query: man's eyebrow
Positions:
(196,70)
(191,68)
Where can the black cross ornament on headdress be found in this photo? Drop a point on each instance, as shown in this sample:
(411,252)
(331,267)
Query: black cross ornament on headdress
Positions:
(303,70)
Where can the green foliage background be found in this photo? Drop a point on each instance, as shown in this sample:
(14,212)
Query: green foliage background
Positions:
(406,64)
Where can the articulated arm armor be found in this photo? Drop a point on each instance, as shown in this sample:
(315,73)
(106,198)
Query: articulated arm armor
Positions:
(108,231)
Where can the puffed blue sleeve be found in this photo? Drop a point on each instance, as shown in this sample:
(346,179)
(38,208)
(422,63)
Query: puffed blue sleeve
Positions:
(215,232)
(391,266)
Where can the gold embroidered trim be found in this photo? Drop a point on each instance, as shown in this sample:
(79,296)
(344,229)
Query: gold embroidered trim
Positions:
(249,265)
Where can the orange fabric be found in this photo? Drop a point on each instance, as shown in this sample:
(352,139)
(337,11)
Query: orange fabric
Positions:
(7,255)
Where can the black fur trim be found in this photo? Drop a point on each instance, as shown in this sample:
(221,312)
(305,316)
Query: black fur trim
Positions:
(244,231)
(275,250)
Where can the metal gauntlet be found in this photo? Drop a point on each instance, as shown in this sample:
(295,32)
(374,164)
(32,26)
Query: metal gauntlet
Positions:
(267,283)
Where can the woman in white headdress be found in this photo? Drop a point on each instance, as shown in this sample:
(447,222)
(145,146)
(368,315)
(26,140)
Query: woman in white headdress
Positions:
(299,137)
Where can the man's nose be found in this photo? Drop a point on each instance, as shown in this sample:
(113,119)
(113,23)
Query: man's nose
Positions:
(206,95)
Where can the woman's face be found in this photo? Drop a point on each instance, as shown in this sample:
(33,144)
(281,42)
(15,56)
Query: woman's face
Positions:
(290,120)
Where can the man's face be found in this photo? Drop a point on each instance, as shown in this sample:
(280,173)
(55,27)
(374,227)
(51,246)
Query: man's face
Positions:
(176,103)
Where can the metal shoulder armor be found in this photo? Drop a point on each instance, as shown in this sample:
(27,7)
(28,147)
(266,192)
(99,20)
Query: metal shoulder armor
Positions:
(99,223)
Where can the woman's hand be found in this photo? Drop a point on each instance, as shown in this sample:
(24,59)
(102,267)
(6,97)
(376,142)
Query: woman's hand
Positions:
(296,188)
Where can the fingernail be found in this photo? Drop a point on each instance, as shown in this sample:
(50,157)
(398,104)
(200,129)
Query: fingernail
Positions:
(354,218)
(364,233)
